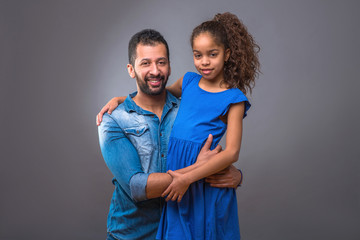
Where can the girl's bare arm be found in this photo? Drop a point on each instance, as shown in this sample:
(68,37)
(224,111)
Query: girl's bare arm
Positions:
(176,88)
(109,107)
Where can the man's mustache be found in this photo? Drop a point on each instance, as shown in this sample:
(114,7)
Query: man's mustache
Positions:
(161,77)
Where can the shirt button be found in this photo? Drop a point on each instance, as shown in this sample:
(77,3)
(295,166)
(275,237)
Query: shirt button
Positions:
(160,134)
(137,131)
(162,155)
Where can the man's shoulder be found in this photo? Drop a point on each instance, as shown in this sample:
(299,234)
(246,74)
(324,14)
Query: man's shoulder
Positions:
(118,115)
(120,109)
(172,98)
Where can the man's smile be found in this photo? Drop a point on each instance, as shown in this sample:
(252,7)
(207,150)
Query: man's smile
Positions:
(155,81)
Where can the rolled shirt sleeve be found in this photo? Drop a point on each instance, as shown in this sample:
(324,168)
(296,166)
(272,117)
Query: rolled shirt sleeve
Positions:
(138,186)
(122,159)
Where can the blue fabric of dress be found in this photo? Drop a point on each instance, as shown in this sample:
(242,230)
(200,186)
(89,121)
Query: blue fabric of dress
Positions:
(204,213)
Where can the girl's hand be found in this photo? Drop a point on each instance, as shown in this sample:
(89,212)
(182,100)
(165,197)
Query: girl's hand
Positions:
(109,107)
(205,153)
(177,188)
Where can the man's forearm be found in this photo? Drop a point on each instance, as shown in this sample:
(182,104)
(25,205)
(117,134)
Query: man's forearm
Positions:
(156,184)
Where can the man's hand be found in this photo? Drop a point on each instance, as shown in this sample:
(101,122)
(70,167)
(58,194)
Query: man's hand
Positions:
(205,153)
(227,178)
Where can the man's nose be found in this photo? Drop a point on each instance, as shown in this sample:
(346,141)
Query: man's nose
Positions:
(154,70)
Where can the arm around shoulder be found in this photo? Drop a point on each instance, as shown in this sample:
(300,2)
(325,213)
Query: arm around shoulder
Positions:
(109,107)
(176,88)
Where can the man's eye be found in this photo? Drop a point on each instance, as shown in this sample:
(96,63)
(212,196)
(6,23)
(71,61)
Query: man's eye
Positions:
(162,62)
(144,63)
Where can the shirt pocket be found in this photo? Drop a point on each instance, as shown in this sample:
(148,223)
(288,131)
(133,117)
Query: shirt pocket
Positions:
(140,137)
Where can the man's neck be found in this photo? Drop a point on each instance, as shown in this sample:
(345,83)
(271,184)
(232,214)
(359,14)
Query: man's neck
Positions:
(151,103)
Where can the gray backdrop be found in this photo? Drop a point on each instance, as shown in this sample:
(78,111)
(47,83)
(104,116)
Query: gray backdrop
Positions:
(62,60)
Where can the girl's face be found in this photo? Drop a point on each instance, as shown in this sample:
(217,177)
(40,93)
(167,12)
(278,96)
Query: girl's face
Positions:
(209,57)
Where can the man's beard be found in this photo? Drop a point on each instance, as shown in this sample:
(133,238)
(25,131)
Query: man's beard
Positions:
(145,88)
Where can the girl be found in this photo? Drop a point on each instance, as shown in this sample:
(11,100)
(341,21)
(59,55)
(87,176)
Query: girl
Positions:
(213,102)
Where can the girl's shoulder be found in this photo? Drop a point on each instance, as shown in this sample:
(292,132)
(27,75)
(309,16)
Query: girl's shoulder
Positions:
(237,96)
(237,93)
(190,77)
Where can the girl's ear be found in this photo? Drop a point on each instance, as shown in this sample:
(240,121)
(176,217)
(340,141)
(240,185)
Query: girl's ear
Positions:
(227,54)
(131,70)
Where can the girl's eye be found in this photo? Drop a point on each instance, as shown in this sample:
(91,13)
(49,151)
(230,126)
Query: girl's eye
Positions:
(213,54)
(197,55)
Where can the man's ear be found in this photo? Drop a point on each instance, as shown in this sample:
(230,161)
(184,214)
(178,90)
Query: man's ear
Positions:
(131,70)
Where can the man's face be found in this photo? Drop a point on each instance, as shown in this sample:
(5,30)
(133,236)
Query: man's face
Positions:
(152,68)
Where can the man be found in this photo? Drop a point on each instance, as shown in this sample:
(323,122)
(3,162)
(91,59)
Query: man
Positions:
(134,138)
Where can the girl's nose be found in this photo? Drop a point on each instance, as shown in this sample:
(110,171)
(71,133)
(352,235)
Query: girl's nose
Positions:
(205,61)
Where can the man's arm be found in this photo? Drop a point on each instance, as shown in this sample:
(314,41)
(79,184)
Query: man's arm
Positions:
(230,177)
(156,184)
(122,159)
(227,178)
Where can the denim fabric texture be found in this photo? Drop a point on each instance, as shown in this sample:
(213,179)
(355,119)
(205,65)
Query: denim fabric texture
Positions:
(109,237)
(134,144)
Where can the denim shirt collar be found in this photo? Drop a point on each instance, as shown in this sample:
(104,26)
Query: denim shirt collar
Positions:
(130,105)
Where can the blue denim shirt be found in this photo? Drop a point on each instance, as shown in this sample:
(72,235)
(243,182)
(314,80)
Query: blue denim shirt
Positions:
(134,143)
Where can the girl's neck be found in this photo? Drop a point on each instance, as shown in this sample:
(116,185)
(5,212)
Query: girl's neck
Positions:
(217,85)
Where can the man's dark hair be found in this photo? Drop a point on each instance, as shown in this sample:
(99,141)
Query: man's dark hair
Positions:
(148,37)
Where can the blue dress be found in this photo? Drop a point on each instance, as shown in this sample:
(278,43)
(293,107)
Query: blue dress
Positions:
(205,212)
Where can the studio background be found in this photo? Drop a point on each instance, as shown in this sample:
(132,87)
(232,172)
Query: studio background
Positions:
(61,61)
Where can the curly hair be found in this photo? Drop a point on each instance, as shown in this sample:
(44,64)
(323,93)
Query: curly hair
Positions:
(242,67)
